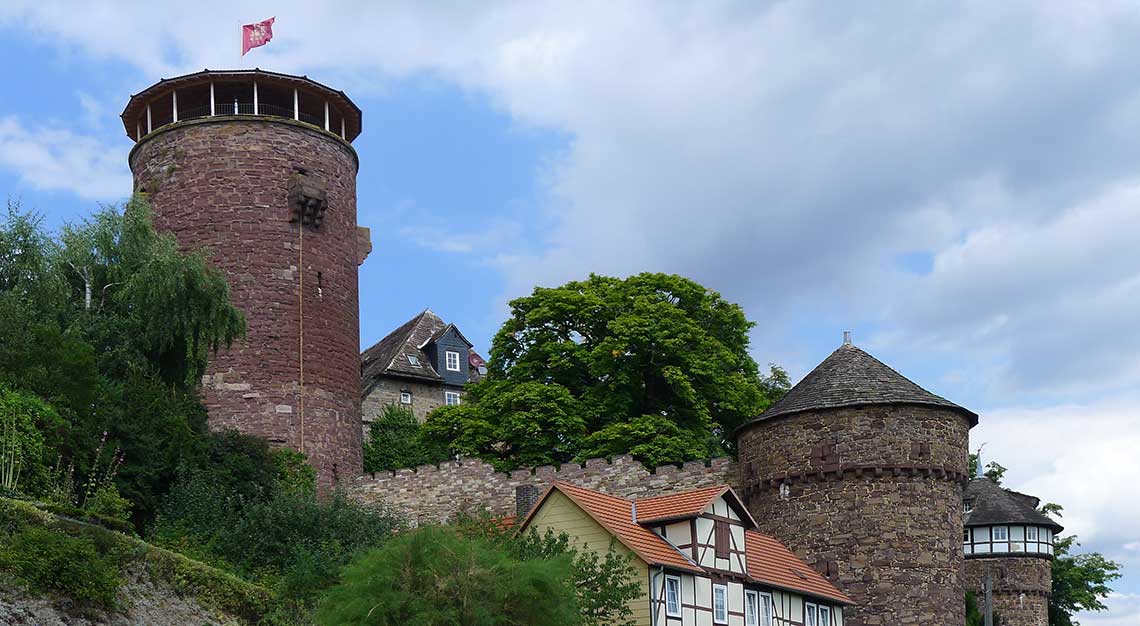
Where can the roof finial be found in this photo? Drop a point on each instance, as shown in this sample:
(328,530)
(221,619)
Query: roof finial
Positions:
(846,337)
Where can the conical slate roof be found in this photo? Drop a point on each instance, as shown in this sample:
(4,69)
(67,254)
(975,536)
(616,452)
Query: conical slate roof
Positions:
(851,377)
(993,504)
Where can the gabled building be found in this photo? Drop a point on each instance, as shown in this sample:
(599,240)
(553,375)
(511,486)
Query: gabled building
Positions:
(422,365)
(698,555)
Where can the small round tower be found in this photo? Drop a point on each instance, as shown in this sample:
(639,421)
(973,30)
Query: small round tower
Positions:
(259,168)
(1006,538)
(860,472)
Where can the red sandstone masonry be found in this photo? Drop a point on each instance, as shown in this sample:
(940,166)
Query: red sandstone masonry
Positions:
(430,494)
(222,183)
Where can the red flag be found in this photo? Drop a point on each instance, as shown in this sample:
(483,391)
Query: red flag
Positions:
(256,34)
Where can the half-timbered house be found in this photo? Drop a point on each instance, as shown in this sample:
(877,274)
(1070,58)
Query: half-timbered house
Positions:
(698,557)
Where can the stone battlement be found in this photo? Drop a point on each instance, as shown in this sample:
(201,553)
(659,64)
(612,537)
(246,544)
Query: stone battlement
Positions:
(431,493)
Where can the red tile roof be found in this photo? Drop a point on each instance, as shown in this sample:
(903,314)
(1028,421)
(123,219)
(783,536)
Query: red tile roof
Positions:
(771,563)
(677,505)
(768,561)
(616,516)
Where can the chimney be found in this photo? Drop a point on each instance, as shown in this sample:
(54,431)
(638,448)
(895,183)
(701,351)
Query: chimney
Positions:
(526,496)
(846,337)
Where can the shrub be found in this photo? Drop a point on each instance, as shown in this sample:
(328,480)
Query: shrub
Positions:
(437,576)
(45,560)
(395,442)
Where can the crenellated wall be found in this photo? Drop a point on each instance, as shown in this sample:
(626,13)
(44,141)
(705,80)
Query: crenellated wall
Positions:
(432,493)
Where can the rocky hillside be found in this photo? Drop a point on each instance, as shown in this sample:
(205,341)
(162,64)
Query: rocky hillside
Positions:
(60,570)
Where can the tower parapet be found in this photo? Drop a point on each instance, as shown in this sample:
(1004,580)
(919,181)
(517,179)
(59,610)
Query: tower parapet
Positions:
(860,472)
(258,168)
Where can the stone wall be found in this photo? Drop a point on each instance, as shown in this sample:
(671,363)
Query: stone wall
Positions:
(426,397)
(223,183)
(870,497)
(1022,586)
(436,494)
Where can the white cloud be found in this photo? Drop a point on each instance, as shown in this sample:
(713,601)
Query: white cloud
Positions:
(58,159)
(1123,610)
(1082,457)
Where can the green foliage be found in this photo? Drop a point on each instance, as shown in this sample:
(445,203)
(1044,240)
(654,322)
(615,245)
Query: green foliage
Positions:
(511,425)
(106,502)
(110,324)
(604,583)
(436,576)
(394,442)
(598,354)
(653,439)
(67,565)
(49,561)
(257,514)
(292,472)
(1080,582)
(22,416)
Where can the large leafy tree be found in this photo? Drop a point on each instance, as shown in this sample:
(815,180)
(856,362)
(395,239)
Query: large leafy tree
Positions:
(654,365)
(110,323)
(1081,582)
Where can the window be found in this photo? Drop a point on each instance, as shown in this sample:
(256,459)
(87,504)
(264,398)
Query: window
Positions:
(1001,533)
(765,609)
(965,535)
(673,596)
(751,609)
(413,360)
(1031,533)
(405,397)
(451,398)
(824,616)
(811,614)
(452,358)
(720,604)
(967,506)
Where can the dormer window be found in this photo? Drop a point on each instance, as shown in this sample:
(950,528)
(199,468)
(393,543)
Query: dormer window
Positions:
(967,506)
(452,358)
(413,360)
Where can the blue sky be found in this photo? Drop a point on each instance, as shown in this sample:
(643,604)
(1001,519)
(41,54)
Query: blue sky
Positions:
(957,183)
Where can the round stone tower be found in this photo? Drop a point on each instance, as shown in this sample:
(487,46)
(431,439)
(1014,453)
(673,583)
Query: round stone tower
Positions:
(1007,539)
(860,471)
(258,168)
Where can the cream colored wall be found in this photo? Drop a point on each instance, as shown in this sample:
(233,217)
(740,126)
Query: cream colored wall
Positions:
(560,514)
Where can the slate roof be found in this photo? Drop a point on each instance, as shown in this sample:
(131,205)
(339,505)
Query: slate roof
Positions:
(767,560)
(389,355)
(994,504)
(851,377)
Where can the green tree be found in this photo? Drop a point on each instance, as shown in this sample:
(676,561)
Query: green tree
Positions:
(394,442)
(511,425)
(110,324)
(1080,582)
(609,360)
(437,576)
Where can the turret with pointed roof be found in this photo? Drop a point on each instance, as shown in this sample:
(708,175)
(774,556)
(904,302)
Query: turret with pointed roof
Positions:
(860,471)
